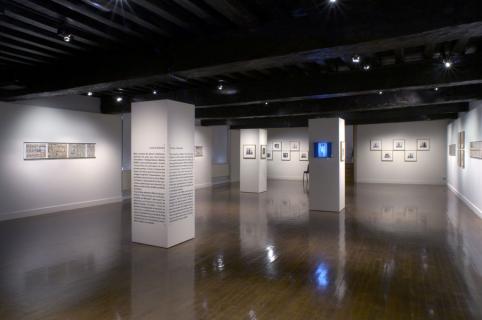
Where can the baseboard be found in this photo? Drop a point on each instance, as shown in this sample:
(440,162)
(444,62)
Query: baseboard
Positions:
(469,203)
(286,178)
(386,181)
(57,208)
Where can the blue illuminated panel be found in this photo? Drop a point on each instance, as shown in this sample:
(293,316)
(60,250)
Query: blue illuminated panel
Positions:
(322,149)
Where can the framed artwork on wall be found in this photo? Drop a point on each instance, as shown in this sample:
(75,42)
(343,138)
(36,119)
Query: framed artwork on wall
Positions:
(476,149)
(410,156)
(399,145)
(342,151)
(304,156)
(452,150)
(375,145)
(269,155)
(263,151)
(249,151)
(461,159)
(294,145)
(462,140)
(198,152)
(277,145)
(387,155)
(423,144)
(285,155)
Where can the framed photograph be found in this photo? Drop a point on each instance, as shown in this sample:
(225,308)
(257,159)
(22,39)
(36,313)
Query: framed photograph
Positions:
(399,145)
(342,151)
(476,149)
(461,159)
(423,144)
(198,151)
(57,150)
(387,155)
(269,155)
(249,151)
(303,155)
(410,156)
(277,145)
(285,155)
(264,149)
(35,151)
(376,145)
(462,140)
(294,145)
(452,150)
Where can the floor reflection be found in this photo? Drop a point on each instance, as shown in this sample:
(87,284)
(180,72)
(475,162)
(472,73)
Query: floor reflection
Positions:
(396,252)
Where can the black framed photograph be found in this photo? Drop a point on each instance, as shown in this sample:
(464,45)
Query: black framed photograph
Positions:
(277,145)
(423,144)
(399,145)
(387,155)
(249,151)
(264,149)
(269,155)
(285,155)
(375,145)
(303,155)
(410,156)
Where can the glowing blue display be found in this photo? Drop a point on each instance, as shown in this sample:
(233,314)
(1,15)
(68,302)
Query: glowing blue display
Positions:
(322,149)
(321,275)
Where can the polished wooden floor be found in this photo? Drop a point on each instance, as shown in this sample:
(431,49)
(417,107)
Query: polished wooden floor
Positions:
(397,252)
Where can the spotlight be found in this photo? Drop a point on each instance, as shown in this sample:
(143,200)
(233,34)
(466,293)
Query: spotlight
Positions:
(266,103)
(366,67)
(332,1)
(220,87)
(356,59)
(435,89)
(89,93)
(447,64)
(154,92)
(118,99)
(65,35)
(380,92)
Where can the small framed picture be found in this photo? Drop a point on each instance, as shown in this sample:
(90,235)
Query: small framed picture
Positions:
(303,155)
(294,145)
(269,155)
(387,155)
(398,145)
(342,151)
(198,151)
(452,150)
(423,144)
(277,145)
(410,156)
(376,145)
(285,155)
(263,151)
(249,151)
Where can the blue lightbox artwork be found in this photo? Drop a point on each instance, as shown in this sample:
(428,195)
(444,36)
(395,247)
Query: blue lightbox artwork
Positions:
(322,149)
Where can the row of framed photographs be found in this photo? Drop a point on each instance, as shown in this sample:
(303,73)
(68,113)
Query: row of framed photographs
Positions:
(249,152)
(399,145)
(409,156)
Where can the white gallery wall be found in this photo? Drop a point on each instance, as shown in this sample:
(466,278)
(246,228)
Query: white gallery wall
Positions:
(43,186)
(202,165)
(234,156)
(466,182)
(430,167)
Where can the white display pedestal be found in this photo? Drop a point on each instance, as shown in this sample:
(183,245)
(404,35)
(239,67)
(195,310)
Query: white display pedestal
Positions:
(253,172)
(327,176)
(162,172)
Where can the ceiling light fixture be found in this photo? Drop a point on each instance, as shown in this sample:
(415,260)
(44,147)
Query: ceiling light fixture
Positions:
(266,103)
(366,67)
(90,93)
(447,64)
(154,92)
(332,1)
(380,92)
(435,89)
(356,59)
(118,99)
(220,86)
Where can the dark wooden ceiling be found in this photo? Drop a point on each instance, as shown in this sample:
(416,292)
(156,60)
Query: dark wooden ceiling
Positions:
(280,62)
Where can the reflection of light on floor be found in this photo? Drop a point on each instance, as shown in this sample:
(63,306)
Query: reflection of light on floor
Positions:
(271,255)
(218,263)
(252,315)
(321,275)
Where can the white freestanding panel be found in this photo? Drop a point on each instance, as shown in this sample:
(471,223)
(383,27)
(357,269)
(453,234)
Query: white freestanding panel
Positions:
(162,172)
(327,176)
(253,172)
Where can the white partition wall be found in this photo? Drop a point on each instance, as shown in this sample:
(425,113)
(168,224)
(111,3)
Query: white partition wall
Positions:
(162,172)
(253,165)
(327,175)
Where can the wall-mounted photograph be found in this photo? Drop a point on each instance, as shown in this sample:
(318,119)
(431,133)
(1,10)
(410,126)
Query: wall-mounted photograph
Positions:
(263,151)
(453,150)
(269,155)
(294,145)
(285,155)
(277,145)
(342,151)
(476,149)
(410,156)
(423,144)
(376,145)
(398,145)
(304,156)
(387,155)
(249,151)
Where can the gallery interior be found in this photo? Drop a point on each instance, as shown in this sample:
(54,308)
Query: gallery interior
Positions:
(234,159)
